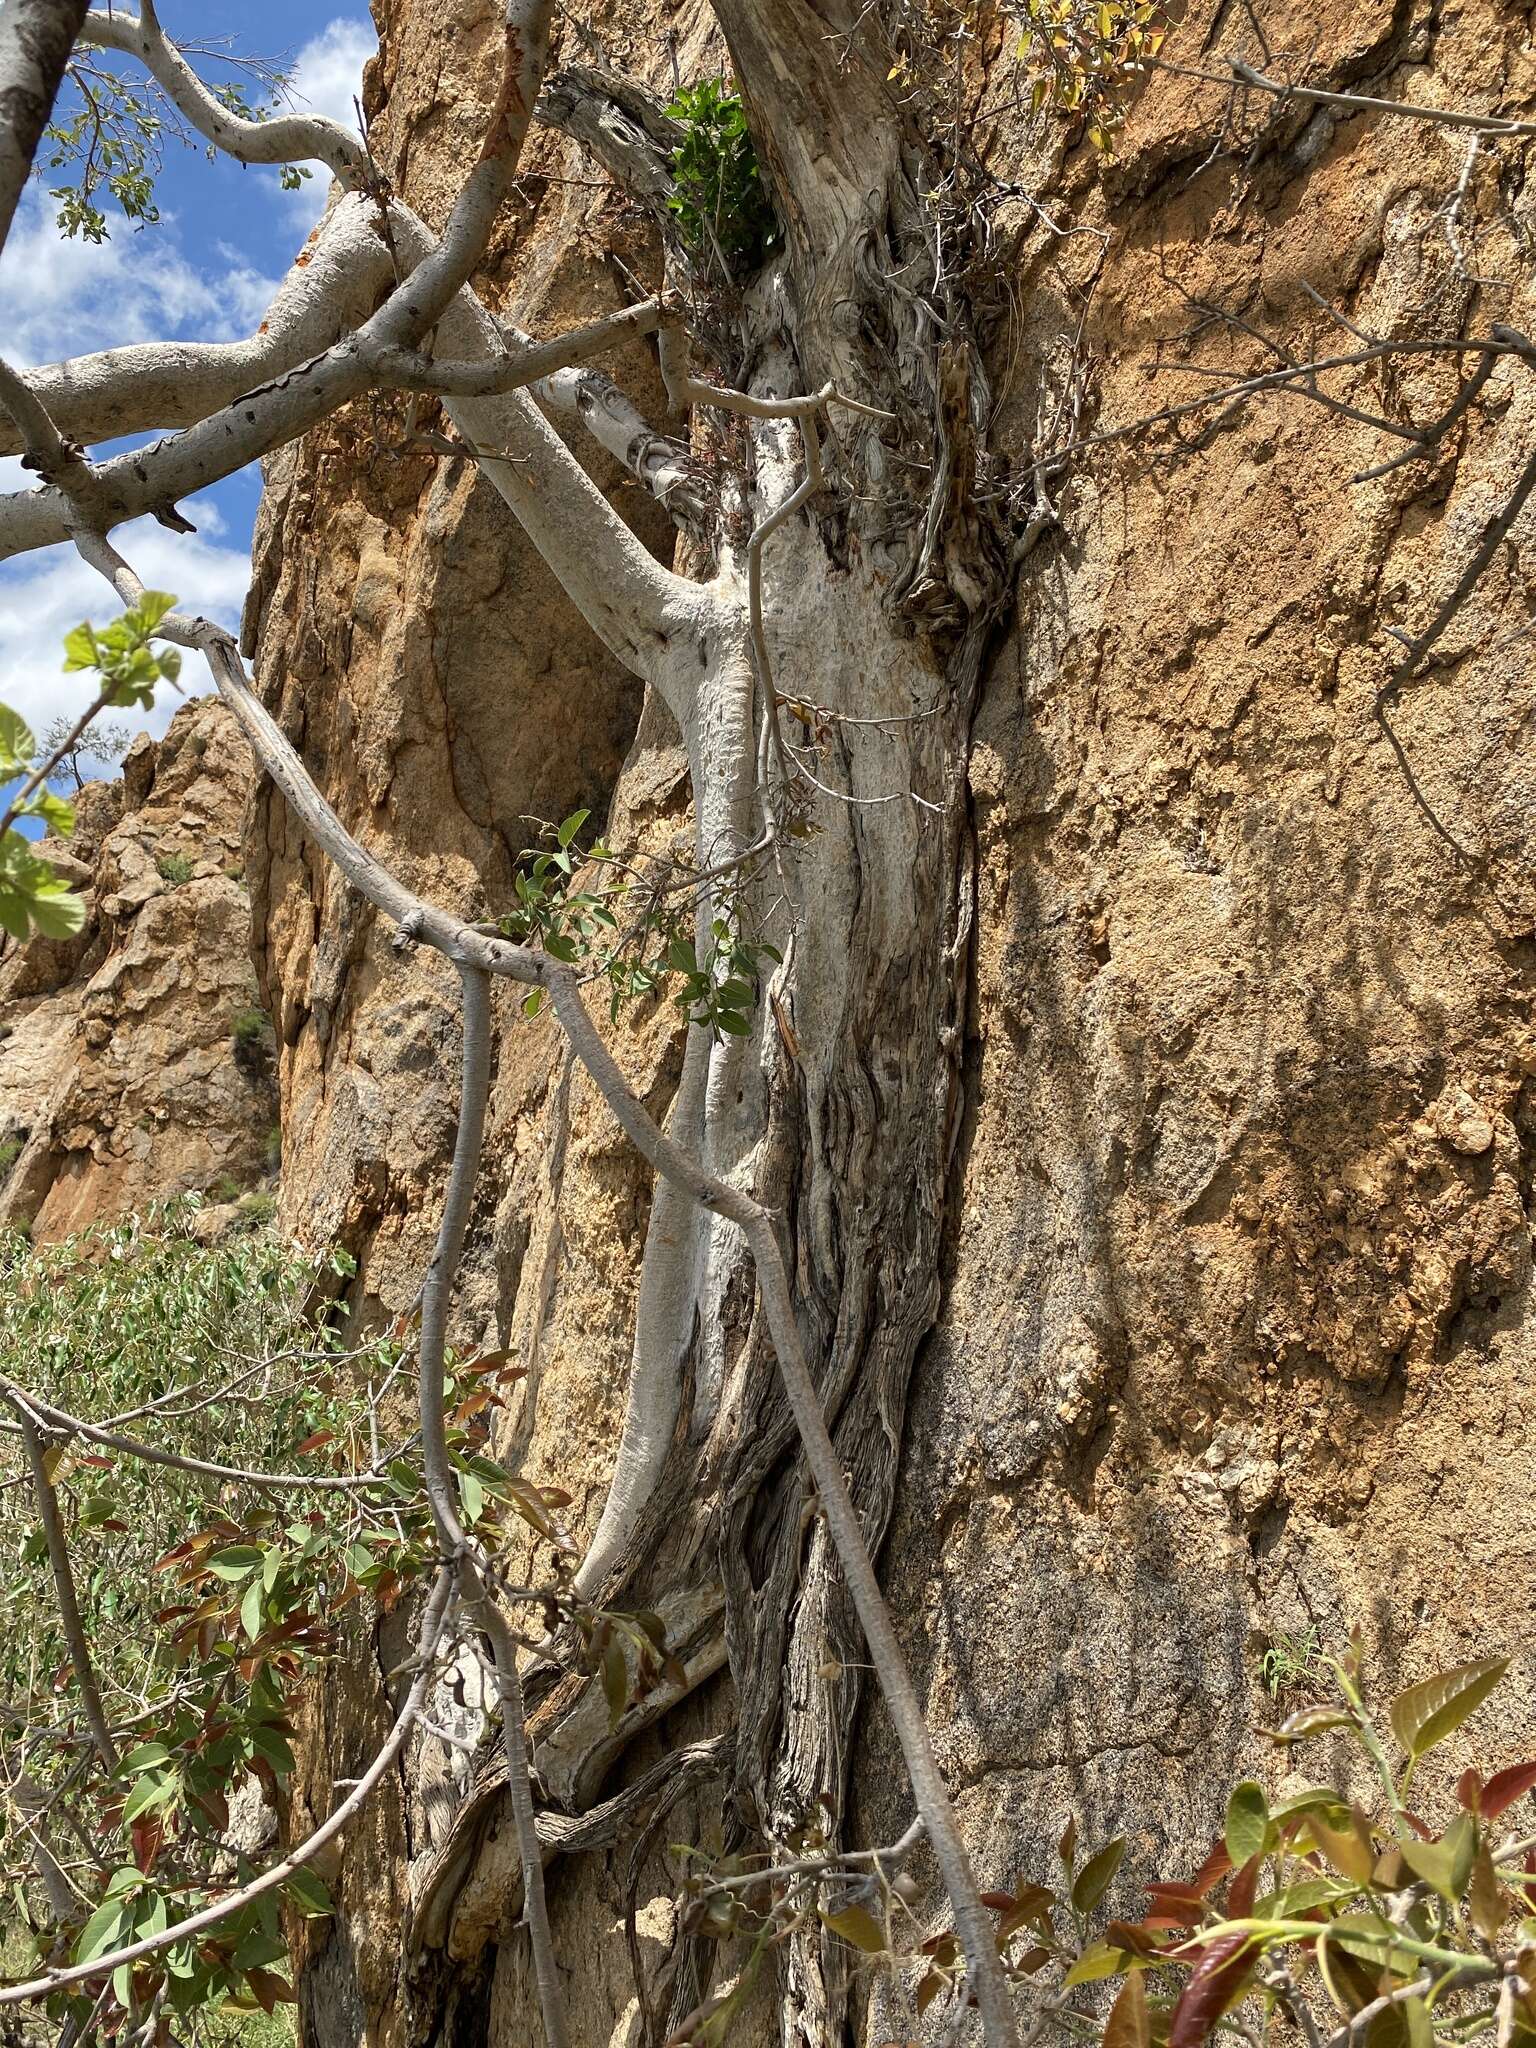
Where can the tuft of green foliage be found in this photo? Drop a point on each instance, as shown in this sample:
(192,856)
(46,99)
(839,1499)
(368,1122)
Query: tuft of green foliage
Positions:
(110,132)
(205,1601)
(249,1027)
(34,896)
(11,1149)
(1289,1662)
(175,868)
(720,202)
(656,950)
(123,654)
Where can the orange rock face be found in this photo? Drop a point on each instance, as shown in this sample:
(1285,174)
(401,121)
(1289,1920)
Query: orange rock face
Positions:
(134,1062)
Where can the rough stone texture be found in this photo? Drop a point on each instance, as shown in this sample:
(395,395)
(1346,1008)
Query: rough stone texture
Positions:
(1236,1336)
(120,1073)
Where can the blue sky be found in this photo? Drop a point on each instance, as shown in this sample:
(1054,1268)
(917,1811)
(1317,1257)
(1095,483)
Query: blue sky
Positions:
(204,273)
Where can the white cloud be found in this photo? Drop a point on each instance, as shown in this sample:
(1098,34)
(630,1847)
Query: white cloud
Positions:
(41,601)
(64,297)
(327,78)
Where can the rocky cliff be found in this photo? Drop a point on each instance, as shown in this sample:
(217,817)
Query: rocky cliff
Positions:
(134,1060)
(1229,1336)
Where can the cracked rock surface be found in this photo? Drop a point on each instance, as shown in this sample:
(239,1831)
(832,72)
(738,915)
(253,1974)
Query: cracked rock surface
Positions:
(122,1076)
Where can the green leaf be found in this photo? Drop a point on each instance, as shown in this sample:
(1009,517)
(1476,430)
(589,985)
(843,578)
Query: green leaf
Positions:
(250,1608)
(1316,1799)
(1094,1963)
(1426,1713)
(1093,1880)
(859,1927)
(1446,1864)
(1310,1721)
(1247,1831)
(309,1894)
(155,1790)
(571,827)
(151,609)
(34,895)
(1368,1936)
(56,812)
(103,1932)
(236,1562)
(144,1758)
(272,1744)
(472,1494)
(1417,2027)
(17,746)
(80,649)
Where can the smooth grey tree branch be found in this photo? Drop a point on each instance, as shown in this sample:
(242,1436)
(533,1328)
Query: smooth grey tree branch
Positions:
(287,138)
(36,37)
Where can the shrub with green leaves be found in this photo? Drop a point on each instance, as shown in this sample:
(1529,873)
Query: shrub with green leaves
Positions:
(1321,1916)
(719,201)
(206,1600)
(250,1026)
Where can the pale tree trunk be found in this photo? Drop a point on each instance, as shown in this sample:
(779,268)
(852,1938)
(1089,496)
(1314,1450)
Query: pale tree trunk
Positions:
(1007,1114)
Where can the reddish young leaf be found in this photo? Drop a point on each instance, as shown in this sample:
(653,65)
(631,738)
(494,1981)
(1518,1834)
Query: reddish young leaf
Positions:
(269,1990)
(148,1835)
(1215,1984)
(1174,1905)
(315,1442)
(216,1806)
(1242,1888)
(1129,2024)
(1136,1938)
(1211,1871)
(488,1361)
(1504,1788)
(1469,1788)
